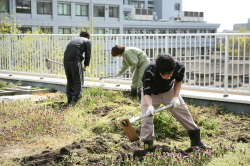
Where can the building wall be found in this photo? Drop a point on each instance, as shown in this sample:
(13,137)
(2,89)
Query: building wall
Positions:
(165,9)
(56,21)
(237,26)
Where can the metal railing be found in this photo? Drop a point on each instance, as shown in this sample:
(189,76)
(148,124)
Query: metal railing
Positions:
(218,62)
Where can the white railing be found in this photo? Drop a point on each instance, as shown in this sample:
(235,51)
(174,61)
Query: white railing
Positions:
(218,62)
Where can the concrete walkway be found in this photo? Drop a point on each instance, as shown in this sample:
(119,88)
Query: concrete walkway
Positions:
(234,102)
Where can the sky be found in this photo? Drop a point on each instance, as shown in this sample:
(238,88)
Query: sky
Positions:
(225,12)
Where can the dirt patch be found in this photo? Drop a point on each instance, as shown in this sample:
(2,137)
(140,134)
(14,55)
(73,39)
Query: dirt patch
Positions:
(99,145)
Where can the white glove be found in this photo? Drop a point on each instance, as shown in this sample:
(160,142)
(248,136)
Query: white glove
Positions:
(175,101)
(151,110)
(117,75)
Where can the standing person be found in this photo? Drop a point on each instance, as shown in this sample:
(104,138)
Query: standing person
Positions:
(162,82)
(73,57)
(136,59)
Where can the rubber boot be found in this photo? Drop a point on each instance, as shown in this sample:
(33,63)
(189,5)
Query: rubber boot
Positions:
(69,99)
(133,92)
(139,96)
(195,138)
(74,99)
(148,143)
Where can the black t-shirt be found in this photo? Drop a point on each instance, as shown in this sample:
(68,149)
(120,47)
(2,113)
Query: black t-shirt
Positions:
(153,83)
(75,50)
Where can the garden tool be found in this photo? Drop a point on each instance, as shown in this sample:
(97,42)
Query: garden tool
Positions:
(130,131)
(117,82)
(48,64)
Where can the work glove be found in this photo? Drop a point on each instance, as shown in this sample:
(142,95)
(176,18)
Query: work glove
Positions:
(175,101)
(151,110)
(117,74)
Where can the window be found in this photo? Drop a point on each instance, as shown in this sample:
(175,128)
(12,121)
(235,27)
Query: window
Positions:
(139,4)
(151,2)
(113,31)
(172,32)
(202,31)
(201,14)
(186,14)
(46,30)
(98,11)
(130,2)
(144,11)
(192,31)
(150,12)
(172,51)
(113,12)
(63,9)
(183,51)
(25,29)
(191,14)
(138,11)
(64,31)
(127,31)
(183,32)
(81,10)
(196,14)
(150,32)
(99,31)
(44,8)
(211,31)
(192,51)
(23,6)
(4,7)
(176,6)
(151,8)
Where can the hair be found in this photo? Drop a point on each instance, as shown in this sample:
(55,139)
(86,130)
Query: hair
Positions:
(116,50)
(165,64)
(85,34)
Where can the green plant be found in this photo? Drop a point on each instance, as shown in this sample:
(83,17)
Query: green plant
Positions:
(166,126)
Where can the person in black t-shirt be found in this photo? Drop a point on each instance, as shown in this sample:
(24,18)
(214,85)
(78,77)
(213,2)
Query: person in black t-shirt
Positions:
(73,57)
(162,82)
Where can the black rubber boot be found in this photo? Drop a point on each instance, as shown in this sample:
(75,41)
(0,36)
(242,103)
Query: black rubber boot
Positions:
(74,99)
(195,138)
(133,92)
(139,96)
(69,99)
(148,143)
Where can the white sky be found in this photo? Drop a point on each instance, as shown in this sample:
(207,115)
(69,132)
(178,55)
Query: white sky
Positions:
(225,12)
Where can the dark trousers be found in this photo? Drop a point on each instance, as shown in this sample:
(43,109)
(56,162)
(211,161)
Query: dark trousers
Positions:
(75,79)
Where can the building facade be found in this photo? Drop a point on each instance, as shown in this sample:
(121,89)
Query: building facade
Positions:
(237,26)
(108,17)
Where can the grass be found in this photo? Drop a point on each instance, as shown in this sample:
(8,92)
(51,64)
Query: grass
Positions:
(49,124)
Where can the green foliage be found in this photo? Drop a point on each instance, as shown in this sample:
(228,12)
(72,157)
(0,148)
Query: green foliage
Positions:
(238,46)
(166,126)
(8,24)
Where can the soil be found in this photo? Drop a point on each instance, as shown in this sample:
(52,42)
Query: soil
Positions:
(98,146)
(90,150)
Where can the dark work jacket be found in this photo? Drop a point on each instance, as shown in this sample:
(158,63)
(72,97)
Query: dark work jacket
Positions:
(153,83)
(75,49)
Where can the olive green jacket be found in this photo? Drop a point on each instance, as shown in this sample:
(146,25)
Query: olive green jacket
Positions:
(133,57)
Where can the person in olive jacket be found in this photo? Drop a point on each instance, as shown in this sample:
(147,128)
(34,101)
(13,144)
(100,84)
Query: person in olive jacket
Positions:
(73,57)
(137,60)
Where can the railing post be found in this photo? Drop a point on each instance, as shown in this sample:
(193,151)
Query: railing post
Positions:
(41,59)
(10,67)
(226,66)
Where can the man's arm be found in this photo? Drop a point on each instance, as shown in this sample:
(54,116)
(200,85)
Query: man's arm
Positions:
(87,54)
(148,100)
(177,88)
